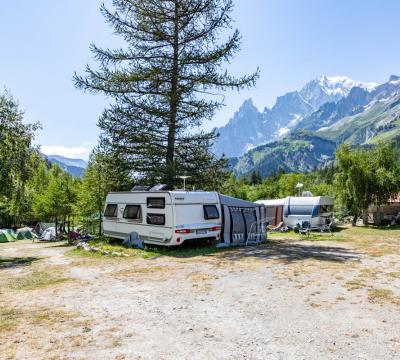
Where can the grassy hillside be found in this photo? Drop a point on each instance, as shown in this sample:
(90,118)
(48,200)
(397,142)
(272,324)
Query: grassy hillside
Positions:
(380,121)
(302,151)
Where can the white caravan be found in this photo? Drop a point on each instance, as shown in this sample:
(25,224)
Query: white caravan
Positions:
(172,217)
(314,209)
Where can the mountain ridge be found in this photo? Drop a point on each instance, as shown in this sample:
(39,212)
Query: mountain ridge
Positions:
(363,117)
(75,167)
(250,127)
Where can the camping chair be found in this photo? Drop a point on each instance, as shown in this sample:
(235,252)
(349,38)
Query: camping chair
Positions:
(327,226)
(394,219)
(305,228)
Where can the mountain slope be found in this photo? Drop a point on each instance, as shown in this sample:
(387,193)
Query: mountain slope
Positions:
(362,117)
(380,120)
(354,103)
(75,167)
(246,128)
(302,151)
(249,128)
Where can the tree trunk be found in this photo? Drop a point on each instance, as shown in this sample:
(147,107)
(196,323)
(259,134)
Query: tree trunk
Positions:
(56,227)
(174,99)
(100,220)
(354,222)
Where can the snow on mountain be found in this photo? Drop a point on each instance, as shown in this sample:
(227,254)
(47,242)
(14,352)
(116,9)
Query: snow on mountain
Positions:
(342,85)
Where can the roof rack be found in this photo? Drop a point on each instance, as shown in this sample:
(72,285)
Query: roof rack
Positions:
(159,187)
(141,188)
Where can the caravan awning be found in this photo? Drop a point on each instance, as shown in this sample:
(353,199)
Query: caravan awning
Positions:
(230,201)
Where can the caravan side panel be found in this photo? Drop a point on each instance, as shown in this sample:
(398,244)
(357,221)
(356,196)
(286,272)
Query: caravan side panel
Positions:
(149,230)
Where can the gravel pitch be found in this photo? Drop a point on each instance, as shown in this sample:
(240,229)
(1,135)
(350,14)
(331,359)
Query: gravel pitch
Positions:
(289,300)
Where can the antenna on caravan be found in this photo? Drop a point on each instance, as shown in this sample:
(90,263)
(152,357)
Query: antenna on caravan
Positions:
(299,186)
(184,178)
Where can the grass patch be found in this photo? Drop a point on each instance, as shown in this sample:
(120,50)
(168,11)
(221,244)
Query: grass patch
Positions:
(9,319)
(380,296)
(355,284)
(88,254)
(34,280)
(9,262)
(313,236)
(181,251)
(49,316)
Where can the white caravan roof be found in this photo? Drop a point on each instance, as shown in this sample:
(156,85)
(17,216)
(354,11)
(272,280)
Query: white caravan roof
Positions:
(181,197)
(271,202)
(172,197)
(309,200)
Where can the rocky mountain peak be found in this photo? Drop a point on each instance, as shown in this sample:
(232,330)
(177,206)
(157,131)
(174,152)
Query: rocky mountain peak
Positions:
(394,78)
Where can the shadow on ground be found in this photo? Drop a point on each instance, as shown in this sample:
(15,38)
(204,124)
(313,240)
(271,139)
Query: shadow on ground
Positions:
(288,251)
(10,262)
(292,252)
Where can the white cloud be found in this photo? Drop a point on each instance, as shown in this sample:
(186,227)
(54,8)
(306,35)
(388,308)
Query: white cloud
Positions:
(80,152)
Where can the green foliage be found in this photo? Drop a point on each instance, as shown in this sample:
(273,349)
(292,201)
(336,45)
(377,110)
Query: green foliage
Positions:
(280,185)
(366,176)
(96,183)
(55,194)
(17,160)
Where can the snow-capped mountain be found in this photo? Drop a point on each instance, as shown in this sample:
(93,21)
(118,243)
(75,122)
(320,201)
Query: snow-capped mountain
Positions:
(331,89)
(250,128)
(365,116)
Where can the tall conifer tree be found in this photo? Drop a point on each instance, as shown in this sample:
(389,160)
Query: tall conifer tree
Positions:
(163,84)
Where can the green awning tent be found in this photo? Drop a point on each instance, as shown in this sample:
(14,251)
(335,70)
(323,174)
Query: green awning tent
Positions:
(7,235)
(25,233)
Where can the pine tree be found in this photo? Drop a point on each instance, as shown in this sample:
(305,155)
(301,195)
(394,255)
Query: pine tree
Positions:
(163,85)
(255,178)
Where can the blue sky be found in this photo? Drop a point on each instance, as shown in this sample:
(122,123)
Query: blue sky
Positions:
(292,41)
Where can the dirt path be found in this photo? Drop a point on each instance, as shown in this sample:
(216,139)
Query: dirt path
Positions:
(293,300)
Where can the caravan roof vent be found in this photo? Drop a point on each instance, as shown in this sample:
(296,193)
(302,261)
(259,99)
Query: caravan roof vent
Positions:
(140,188)
(307,194)
(159,187)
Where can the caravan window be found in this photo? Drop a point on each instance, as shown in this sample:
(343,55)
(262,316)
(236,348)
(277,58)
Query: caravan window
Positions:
(211,212)
(111,210)
(132,212)
(156,219)
(156,203)
(325,209)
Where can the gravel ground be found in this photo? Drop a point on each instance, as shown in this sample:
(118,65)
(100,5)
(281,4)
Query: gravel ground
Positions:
(289,300)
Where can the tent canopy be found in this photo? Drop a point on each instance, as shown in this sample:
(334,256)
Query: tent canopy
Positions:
(7,235)
(26,233)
